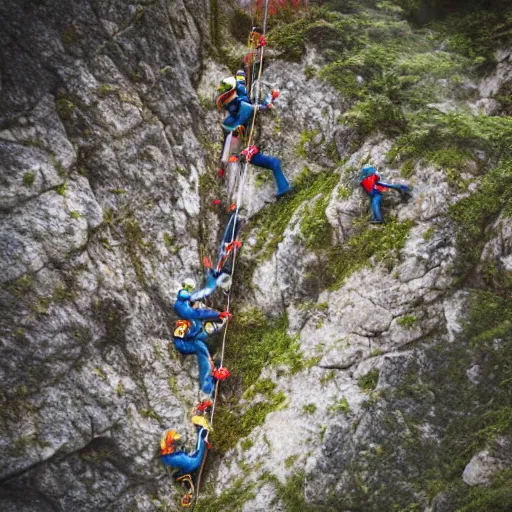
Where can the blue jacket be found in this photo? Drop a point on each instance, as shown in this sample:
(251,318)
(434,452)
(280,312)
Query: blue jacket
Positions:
(242,93)
(183,308)
(184,462)
(241,109)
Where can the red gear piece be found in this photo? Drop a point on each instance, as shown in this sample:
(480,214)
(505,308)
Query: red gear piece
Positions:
(225,314)
(236,244)
(208,444)
(204,405)
(220,173)
(216,202)
(249,152)
(248,58)
(262,41)
(275,94)
(186,501)
(207,262)
(221,373)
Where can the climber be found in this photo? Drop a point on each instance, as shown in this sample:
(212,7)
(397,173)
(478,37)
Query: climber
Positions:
(241,90)
(184,463)
(370,181)
(196,323)
(232,97)
(178,459)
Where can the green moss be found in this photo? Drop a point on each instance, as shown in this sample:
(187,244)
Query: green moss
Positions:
(327,377)
(258,341)
(290,461)
(255,342)
(75,215)
(376,113)
(448,140)
(292,493)
(429,233)
(41,306)
(173,385)
(273,220)
(233,499)
(150,413)
(105,90)
(138,17)
(101,374)
(29,178)
(61,170)
(315,227)
(497,498)
(65,108)
(65,292)
(231,425)
(475,212)
(382,244)
(290,39)
(476,32)
(171,243)
(34,143)
(369,381)
(310,72)
(241,25)
(407,169)
(246,444)
(136,246)
(342,406)
(263,387)
(407,321)
(309,408)
(119,389)
(61,189)
(118,191)
(306,138)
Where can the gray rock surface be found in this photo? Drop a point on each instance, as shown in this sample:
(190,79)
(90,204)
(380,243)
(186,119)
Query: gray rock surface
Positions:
(108,144)
(100,160)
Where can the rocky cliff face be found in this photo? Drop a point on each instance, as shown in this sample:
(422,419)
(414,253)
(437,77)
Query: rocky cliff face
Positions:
(101,158)
(369,362)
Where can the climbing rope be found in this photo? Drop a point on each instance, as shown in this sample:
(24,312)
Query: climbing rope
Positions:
(239,196)
(241,187)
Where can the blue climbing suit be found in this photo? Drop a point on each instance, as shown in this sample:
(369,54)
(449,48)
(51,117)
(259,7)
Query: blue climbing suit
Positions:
(240,111)
(184,462)
(194,341)
(370,181)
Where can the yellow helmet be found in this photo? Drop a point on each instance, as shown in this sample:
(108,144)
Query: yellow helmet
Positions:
(201,421)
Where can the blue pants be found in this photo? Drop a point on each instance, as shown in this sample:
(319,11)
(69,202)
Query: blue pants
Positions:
(376,198)
(184,462)
(199,348)
(274,164)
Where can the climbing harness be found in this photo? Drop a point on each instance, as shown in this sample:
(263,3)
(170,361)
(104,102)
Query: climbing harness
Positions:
(181,328)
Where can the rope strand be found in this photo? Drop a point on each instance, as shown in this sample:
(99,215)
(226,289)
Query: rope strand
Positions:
(241,187)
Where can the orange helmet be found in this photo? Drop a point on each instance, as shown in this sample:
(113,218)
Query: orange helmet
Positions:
(167,442)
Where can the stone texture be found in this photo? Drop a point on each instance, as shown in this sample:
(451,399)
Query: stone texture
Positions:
(108,142)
